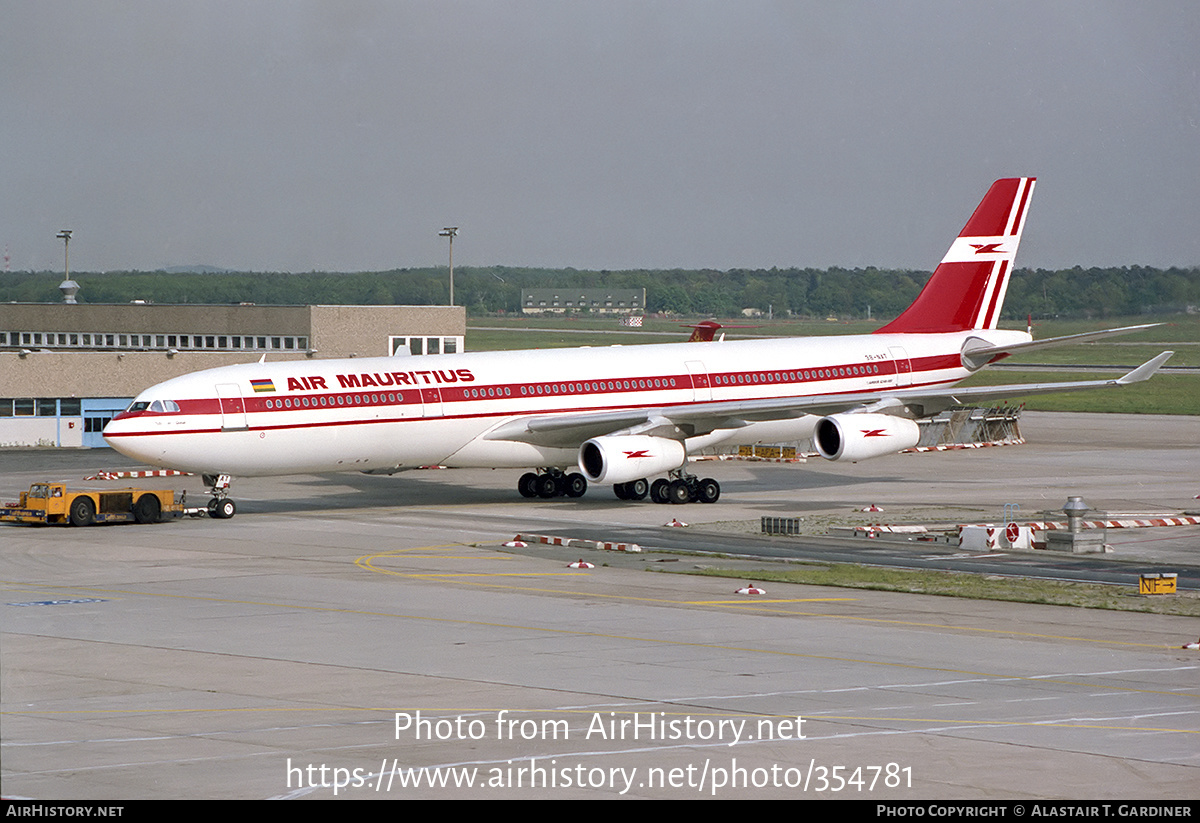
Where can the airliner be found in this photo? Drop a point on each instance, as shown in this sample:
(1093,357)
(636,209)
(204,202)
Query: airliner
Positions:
(616,415)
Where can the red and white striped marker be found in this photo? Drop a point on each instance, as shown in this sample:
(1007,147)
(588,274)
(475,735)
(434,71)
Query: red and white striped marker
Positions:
(957,446)
(617,547)
(675,522)
(581,564)
(577,543)
(751,590)
(105,475)
(1121,523)
(516,544)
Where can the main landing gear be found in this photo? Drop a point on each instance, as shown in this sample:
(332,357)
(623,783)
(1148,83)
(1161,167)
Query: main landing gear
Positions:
(680,487)
(552,483)
(220,507)
(677,487)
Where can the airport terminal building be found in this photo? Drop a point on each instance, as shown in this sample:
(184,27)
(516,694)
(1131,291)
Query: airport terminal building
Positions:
(66,369)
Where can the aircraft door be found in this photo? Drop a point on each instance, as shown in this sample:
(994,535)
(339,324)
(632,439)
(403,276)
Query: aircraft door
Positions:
(431,400)
(233,409)
(903,366)
(701,386)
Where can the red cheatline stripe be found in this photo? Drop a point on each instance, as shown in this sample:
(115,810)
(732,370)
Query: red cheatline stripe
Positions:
(765,377)
(921,365)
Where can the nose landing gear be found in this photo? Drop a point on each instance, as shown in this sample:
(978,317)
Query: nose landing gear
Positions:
(220,507)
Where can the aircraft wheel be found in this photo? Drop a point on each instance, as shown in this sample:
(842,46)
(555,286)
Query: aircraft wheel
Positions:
(83,511)
(212,507)
(637,489)
(678,492)
(527,485)
(658,491)
(576,485)
(147,509)
(225,509)
(620,490)
(709,491)
(547,486)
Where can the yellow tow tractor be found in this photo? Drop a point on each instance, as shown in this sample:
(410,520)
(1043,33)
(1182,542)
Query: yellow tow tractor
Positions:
(55,503)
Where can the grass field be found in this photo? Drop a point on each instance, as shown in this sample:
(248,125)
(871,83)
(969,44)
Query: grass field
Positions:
(1162,394)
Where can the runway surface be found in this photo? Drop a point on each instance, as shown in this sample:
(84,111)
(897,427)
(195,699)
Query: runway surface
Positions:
(291,648)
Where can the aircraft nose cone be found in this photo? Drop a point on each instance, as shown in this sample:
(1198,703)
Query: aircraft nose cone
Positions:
(116,435)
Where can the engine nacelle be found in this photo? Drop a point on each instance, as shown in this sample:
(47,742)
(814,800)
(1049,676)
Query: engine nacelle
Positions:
(859,436)
(622,458)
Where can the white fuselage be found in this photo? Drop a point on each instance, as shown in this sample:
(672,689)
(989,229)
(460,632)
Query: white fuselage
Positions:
(384,413)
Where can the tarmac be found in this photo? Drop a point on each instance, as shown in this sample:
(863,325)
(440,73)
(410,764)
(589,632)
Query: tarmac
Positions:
(354,636)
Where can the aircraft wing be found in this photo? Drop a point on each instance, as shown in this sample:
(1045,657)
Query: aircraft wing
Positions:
(1141,373)
(679,422)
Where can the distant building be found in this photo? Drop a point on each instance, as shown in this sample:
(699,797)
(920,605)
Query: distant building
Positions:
(600,301)
(65,370)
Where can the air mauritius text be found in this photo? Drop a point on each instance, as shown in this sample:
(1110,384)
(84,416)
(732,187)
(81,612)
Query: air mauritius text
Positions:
(602,726)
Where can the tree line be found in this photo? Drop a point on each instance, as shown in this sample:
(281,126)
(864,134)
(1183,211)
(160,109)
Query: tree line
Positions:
(845,293)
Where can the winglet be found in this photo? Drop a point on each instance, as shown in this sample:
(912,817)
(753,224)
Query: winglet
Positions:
(1146,370)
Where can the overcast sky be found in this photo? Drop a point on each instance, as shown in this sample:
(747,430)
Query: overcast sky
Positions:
(292,136)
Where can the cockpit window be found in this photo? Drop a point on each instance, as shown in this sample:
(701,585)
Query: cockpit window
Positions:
(153,406)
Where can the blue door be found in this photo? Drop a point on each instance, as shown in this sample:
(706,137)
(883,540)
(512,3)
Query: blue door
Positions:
(96,414)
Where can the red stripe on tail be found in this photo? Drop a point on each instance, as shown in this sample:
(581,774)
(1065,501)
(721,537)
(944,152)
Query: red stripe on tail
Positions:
(962,292)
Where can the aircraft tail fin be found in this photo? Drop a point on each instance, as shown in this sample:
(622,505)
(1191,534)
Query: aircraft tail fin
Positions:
(967,288)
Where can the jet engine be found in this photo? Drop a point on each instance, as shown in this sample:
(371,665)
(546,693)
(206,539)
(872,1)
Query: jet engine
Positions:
(859,436)
(623,458)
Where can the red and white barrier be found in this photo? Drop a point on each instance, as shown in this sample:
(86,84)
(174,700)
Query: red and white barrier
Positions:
(105,475)
(1119,523)
(578,543)
(956,446)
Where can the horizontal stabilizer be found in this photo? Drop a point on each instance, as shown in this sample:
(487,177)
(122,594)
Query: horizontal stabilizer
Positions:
(976,353)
